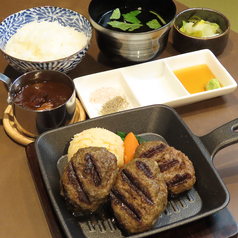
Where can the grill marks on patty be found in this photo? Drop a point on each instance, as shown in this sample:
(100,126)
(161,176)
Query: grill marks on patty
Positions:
(135,184)
(88,178)
(178,180)
(145,168)
(168,164)
(120,199)
(176,167)
(139,195)
(76,183)
(92,169)
(153,151)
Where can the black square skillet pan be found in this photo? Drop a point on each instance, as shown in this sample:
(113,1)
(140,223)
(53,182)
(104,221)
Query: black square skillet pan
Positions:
(157,122)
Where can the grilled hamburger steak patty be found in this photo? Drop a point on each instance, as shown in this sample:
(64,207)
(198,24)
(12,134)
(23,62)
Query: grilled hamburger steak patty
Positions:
(178,170)
(139,195)
(88,178)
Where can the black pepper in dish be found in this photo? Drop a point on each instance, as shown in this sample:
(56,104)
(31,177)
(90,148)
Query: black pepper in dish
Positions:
(115,104)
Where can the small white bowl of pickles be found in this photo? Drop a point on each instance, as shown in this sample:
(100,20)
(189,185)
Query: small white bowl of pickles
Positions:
(200,28)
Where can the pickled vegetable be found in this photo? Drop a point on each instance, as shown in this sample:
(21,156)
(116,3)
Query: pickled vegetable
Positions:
(200,28)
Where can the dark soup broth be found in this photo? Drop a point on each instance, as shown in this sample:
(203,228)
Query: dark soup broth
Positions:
(43,96)
(132,20)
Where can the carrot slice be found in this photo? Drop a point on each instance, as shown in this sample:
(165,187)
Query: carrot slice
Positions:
(130,145)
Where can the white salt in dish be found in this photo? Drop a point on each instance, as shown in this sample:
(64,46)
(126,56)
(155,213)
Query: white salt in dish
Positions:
(154,82)
(114,84)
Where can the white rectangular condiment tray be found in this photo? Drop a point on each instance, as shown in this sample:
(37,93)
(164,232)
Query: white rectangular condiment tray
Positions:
(149,83)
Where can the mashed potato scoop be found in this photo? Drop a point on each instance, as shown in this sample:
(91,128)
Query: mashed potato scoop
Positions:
(99,137)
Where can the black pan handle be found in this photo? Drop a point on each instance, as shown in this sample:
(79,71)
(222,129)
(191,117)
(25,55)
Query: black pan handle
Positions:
(221,137)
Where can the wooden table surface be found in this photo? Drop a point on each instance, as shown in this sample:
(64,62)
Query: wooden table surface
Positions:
(22,214)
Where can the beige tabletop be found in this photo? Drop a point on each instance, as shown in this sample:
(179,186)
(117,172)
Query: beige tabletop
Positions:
(21,211)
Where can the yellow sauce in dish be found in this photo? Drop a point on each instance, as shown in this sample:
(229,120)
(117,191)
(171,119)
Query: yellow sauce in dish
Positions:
(195,78)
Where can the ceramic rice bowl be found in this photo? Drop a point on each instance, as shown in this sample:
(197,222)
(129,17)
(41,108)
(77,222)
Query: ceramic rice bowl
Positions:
(65,17)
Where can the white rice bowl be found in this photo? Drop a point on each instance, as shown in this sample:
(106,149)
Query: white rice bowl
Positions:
(45,41)
(66,18)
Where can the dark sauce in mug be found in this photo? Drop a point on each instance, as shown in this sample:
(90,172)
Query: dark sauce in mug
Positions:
(43,96)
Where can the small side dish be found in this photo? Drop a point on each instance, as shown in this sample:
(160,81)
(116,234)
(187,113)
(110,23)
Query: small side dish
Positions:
(136,84)
(197,78)
(109,100)
(200,28)
(41,100)
(197,27)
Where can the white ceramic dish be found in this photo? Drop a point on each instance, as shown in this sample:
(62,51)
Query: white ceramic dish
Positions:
(154,82)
